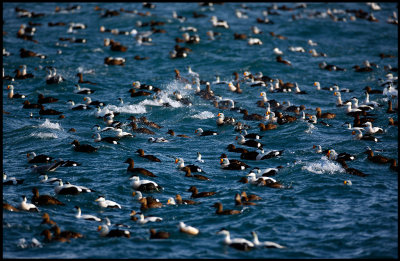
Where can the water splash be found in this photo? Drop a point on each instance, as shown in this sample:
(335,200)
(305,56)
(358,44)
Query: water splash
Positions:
(44,135)
(203,115)
(323,166)
(47,124)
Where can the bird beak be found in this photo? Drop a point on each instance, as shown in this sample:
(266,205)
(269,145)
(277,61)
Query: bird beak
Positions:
(221,160)
(314,146)
(315,83)
(176,160)
(84,99)
(98,228)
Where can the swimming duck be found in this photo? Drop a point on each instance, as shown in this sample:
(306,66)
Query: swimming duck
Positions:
(77,107)
(142,171)
(46,168)
(66,189)
(188,229)
(41,158)
(279,59)
(376,158)
(269,126)
(49,238)
(80,75)
(251,117)
(221,211)
(226,164)
(250,143)
(105,203)
(222,120)
(106,232)
(179,200)
(260,154)
(8,207)
(232,148)
(94,103)
(44,199)
(46,219)
(196,194)
(66,233)
(149,157)
(83,147)
(86,217)
(26,53)
(351,171)
(80,90)
(326,115)
(237,243)
(372,130)
(144,220)
(12,95)
(144,185)
(181,165)
(28,105)
(143,130)
(238,201)
(114,61)
(189,174)
(145,204)
(393,165)
(158,234)
(266,244)
(200,132)
(11,180)
(111,140)
(27,206)
(249,197)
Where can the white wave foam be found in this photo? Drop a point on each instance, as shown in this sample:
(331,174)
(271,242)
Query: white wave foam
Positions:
(47,124)
(203,115)
(323,166)
(44,135)
(129,108)
(85,71)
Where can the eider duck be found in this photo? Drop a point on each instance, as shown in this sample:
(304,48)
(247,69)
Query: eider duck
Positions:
(249,197)
(351,171)
(111,140)
(46,168)
(44,199)
(372,130)
(26,53)
(46,219)
(393,165)
(131,168)
(145,204)
(114,61)
(24,205)
(12,95)
(144,220)
(237,243)
(77,107)
(238,201)
(331,154)
(66,189)
(179,200)
(269,126)
(41,158)
(135,93)
(28,105)
(326,115)
(188,173)
(46,179)
(48,237)
(44,111)
(376,158)
(260,154)
(232,148)
(200,132)
(149,157)
(11,180)
(94,103)
(221,211)
(266,244)
(80,75)
(86,217)
(254,136)
(232,164)
(181,165)
(198,159)
(52,77)
(138,85)
(80,90)
(152,124)
(106,232)
(222,120)
(143,130)
(360,136)
(83,147)
(8,207)
(188,229)
(196,194)
(279,59)
(66,233)
(144,185)
(158,234)
(251,117)
(250,143)
(105,203)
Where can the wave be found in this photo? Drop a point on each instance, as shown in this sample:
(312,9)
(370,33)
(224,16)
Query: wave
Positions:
(128,109)
(44,135)
(47,124)
(203,115)
(323,166)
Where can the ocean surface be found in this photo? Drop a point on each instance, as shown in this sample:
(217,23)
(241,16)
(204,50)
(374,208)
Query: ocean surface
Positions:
(317,217)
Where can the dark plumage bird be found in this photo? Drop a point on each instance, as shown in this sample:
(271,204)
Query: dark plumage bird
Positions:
(251,117)
(149,157)
(146,204)
(232,148)
(158,234)
(140,130)
(221,211)
(142,171)
(135,93)
(44,199)
(66,233)
(41,158)
(351,171)
(49,238)
(376,158)
(326,115)
(189,174)
(239,202)
(80,75)
(42,99)
(28,105)
(83,147)
(44,111)
(196,194)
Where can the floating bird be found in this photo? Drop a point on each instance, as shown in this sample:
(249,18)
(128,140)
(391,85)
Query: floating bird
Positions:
(181,165)
(24,205)
(86,217)
(142,171)
(266,244)
(149,157)
(106,232)
(188,229)
(196,194)
(237,243)
(144,185)
(105,203)
(83,147)
(44,199)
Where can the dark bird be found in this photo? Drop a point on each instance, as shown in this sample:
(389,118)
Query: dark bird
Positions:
(44,111)
(83,147)
(189,174)
(196,194)
(42,99)
(376,158)
(158,234)
(221,211)
(44,199)
(142,171)
(149,157)
(80,75)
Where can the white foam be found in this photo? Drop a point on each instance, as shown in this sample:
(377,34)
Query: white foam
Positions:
(128,109)
(44,135)
(203,115)
(323,166)
(47,124)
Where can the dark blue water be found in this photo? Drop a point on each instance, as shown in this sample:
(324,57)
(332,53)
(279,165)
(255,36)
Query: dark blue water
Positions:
(319,217)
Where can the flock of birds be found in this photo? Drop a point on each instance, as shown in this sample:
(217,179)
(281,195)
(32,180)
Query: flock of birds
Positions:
(250,148)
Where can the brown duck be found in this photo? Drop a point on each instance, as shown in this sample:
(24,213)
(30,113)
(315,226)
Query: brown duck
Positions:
(196,194)
(46,219)
(179,200)
(326,115)
(376,158)
(189,174)
(66,233)
(44,199)
(142,171)
(238,201)
(149,204)
(149,157)
(220,210)
(158,234)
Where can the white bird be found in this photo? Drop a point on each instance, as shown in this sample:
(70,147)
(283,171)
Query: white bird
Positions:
(253,179)
(188,229)
(86,217)
(348,182)
(267,244)
(371,130)
(231,87)
(310,42)
(277,51)
(362,106)
(348,124)
(24,205)
(198,159)
(157,140)
(339,99)
(318,148)
(297,49)
(171,201)
(254,41)
(106,232)
(46,179)
(238,243)
(370,103)
(122,134)
(390,90)
(359,135)
(105,203)
(136,182)
(349,109)
(143,220)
